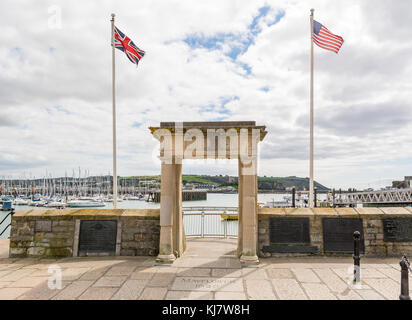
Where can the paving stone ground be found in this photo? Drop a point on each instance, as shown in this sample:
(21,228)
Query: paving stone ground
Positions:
(208,270)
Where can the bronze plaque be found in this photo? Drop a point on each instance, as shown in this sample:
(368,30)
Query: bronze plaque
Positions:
(397,229)
(97,236)
(289,231)
(338,234)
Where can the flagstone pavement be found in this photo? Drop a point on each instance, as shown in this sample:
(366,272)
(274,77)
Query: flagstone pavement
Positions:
(209,270)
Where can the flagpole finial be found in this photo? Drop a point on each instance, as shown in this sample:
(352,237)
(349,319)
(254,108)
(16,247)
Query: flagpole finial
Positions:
(113,15)
(311,11)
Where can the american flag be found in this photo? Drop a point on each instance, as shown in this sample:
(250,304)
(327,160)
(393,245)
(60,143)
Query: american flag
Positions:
(123,42)
(325,39)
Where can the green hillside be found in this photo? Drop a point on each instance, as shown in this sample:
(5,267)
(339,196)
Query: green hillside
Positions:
(264,183)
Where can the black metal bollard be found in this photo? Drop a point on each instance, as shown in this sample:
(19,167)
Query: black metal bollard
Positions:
(404,279)
(316,196)
(356,256)
(293,197)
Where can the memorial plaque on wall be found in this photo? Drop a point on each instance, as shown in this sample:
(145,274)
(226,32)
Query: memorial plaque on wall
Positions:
(97,236)
(338,234)
(289,231)
(397,229)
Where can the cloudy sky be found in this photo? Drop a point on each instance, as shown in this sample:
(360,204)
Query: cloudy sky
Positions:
(205,61)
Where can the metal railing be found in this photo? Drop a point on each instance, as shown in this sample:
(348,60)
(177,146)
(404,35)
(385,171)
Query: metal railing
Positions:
(9,224)
(210,221)
(378,196)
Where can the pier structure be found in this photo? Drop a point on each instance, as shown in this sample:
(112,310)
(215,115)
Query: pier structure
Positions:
(207,140)
(390,197)
(192,195)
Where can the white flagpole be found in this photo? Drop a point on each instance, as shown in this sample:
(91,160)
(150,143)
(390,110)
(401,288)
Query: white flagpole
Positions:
(311,197)
(114,121)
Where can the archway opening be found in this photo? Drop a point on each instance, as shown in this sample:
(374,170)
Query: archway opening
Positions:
(207,140)
(211,225)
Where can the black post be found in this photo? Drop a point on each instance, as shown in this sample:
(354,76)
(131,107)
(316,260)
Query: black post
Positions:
(333,197)
(404,279)
(356,256)
(293,196)
(316,194)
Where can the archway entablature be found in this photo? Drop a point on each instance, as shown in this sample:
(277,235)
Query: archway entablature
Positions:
(208,140)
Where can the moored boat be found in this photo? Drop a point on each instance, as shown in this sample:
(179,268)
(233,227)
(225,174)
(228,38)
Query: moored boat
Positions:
(56,204)
(20,202)
(111,200)
(6,204)
(132,198)
(225,216)
(277,204)
(85,203)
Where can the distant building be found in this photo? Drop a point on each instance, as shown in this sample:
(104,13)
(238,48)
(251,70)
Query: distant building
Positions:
(206,186)
(188,186)
(406,183)
(227,189)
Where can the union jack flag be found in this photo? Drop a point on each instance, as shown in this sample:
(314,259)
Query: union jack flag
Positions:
(123,42)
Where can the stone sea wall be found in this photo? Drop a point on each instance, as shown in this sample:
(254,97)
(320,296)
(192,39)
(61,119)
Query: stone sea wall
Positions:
(57,233)
(398,229)
(49,233)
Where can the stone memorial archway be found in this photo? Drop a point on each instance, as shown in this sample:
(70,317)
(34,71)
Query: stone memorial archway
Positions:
(207,140)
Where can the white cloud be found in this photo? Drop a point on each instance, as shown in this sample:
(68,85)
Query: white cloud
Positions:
(55,85)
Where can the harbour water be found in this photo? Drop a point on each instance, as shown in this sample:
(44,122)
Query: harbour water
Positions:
(212,224)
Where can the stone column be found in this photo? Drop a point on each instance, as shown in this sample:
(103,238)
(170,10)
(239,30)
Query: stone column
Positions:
(240,219)
(248,203)
(167,205)
(178,232)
